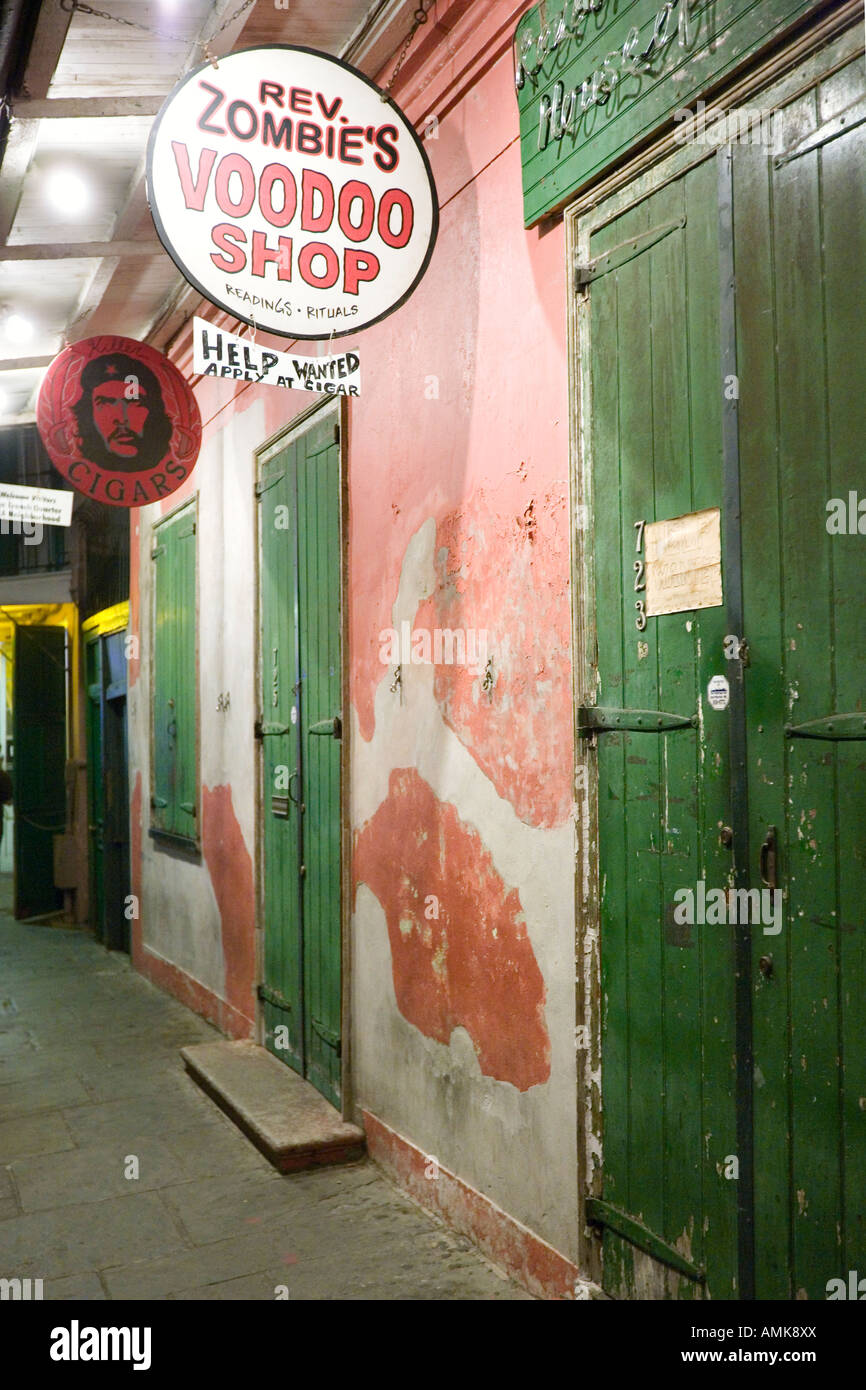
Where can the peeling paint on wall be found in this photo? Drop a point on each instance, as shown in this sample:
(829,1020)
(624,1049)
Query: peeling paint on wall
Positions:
(460,951)
(231,872)
(506,576)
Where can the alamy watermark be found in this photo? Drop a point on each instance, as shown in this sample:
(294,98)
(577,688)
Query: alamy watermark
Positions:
(21,1290)
(717,907)
(744,125)
(32,531)
(440,647)
(854,1289)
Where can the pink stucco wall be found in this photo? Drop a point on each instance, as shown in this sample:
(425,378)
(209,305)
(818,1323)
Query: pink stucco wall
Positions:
(462,428)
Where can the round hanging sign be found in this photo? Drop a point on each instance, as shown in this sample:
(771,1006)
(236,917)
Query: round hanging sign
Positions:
(290,194)
(119,421)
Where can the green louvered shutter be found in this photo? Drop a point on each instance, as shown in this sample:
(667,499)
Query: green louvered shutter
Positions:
(174,796)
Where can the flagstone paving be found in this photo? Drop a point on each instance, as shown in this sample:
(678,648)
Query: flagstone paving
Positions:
(120,1179)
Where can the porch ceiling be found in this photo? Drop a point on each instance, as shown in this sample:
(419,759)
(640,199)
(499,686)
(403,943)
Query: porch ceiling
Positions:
(72,186)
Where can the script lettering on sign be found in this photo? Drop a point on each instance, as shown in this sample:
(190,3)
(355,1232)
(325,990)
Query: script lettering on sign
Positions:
(593,77)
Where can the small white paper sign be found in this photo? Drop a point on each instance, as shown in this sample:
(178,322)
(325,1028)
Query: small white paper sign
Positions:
(35,506)
(719,692)
(216,352)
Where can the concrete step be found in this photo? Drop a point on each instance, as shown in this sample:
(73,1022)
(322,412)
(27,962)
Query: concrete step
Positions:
(283,1115)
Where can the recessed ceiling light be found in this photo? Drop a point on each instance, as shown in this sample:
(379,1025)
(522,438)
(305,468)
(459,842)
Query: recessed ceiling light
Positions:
(18,329)
(68,192)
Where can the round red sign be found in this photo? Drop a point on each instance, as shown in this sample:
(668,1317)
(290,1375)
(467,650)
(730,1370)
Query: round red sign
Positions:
(119,421)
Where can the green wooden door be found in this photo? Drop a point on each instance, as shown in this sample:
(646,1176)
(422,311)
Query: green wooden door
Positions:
(108,788)
(734,1138)
(95,785)
(39,715)
(300,733)
(801,269)
(666,1211)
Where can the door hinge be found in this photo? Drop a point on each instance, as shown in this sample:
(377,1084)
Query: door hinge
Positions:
(591,719)
(625,252)
(273,996)
(847,120)
(834,727)
(157,551)
(328,728)
(327,1035)
(269,482)
(599,1213)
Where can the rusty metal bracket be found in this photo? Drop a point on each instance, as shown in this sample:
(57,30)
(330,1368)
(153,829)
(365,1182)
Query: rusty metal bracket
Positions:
(625,252)
(592,719)
(599,1213)
(833,727)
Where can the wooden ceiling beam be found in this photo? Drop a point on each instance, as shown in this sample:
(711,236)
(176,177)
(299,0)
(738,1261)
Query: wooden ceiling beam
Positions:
(48,40)
(70,108)
(79,250)
(25,364)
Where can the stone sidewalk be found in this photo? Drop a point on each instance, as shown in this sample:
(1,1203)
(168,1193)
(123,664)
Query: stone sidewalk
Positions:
(91,1079)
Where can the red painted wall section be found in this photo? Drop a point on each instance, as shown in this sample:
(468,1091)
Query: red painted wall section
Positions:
(503,573)
(474,965)
(231,871)
(477,362)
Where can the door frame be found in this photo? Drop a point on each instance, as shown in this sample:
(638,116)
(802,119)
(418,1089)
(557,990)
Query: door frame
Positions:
(337,407)
(778,80)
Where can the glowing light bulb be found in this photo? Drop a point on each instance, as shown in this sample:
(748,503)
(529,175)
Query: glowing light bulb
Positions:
(68,192)
(18,329)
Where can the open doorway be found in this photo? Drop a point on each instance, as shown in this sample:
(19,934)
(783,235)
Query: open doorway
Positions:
(36,644)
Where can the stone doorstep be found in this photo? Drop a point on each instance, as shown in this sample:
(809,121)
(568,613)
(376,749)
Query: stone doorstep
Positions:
(283,1115)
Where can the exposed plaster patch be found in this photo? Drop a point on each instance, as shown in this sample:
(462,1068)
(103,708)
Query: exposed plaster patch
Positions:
(497,582)
(476,969)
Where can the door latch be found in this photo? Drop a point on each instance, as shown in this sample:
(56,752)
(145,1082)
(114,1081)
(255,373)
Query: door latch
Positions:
(736,649)
(769,859)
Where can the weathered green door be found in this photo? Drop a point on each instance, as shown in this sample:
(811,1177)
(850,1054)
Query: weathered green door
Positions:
(300,732)
(666,1211)
(728,328)
(108,788)
(39,715)
(800,230)
(95,785)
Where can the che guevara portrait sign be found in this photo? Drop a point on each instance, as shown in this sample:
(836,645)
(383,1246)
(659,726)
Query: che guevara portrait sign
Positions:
(119,421)
(290,194)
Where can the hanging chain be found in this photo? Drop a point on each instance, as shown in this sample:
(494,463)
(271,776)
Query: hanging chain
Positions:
(204,44)
(420,18)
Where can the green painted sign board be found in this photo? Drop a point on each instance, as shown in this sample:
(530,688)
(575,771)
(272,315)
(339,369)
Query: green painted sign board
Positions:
(595,77)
